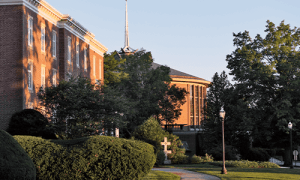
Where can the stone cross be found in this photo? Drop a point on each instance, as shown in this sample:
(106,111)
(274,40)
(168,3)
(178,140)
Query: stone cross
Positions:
(165,144)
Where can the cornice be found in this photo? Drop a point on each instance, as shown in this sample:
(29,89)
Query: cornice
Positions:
(190,80)
(42,8)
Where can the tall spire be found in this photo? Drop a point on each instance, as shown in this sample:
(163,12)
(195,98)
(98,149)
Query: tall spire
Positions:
(127,49)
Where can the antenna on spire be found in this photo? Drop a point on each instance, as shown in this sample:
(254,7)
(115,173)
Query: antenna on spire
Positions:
(127,49)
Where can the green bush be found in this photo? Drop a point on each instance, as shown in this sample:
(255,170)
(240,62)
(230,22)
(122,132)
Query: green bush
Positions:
(256,154)
(151,132)
(160,158)
(217,153)
(198,159)
(30,122)
(246,164)
(94,157)
(14,161)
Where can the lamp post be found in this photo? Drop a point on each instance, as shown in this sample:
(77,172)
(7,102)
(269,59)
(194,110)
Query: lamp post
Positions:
(222,115)
(290,126)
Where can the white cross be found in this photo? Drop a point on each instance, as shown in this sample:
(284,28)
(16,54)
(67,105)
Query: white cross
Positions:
(165,144)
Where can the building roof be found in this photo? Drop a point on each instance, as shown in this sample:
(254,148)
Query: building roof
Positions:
(177,74)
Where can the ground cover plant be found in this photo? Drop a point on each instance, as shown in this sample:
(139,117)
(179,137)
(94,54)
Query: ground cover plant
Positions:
(234,173)
(89,157)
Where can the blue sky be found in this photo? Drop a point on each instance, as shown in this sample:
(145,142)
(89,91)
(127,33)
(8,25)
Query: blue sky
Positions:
(192,36)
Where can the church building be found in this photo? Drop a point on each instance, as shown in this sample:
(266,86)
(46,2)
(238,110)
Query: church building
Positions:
(39,46)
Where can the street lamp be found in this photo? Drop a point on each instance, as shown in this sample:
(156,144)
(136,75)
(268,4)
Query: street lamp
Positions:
(222,115)
(290,126)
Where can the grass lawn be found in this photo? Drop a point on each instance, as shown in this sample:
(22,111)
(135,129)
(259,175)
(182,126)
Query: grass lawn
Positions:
(243,173)
(161,175)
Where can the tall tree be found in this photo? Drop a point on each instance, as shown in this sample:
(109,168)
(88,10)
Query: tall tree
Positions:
(266,71)
(113,71)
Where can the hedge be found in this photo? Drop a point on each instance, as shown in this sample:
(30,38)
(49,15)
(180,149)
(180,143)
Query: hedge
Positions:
(94,157)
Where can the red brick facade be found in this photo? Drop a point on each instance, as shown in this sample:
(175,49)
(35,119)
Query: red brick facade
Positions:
(22,58)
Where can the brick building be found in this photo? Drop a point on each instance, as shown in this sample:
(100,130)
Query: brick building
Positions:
(38,47)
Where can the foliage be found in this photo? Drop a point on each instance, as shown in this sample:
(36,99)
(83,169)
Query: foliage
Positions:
(94,157)
(230,153)
(150,131)
(160,158)
(148,91)
(246,164)
(14,161)
(113,71)
(256,154)
(79,108)
(198,159)
(30,122)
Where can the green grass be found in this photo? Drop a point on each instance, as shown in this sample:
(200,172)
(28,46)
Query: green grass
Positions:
(243,173)
(161,175)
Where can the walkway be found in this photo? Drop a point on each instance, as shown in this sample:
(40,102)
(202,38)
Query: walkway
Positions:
(184,174)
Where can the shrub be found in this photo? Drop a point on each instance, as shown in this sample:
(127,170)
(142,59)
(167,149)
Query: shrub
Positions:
(217,153)
(14,161)
(160,158)
(150,131)
(256,154)
(198,159)
(94,157)
(30,122)
(246,164)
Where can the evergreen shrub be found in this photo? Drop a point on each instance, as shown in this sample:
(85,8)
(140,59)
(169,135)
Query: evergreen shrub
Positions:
(93,157)
(198,159)
(246,164)
(150,131)
(160,158)
(256,154)
(30,122)
(14,161)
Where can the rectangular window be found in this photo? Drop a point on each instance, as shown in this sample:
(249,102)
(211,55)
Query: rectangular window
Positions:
(192,105)
(30,76)
(43,82)
(197,104)
(43,38)
(77,54)
(100,69)
(54,44)
(94,65)
(54,78)
(30,31)
(85,63)
(69,49)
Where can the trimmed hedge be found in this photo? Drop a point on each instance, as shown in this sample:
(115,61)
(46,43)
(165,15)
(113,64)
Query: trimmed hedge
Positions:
(94,157)
(14,161)
(246,164)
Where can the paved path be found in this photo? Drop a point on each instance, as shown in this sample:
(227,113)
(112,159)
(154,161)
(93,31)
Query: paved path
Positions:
(184,174)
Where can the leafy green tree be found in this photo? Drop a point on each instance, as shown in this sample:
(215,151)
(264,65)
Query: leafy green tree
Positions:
(266,71)
(147,91)
(79,108)
(113,71)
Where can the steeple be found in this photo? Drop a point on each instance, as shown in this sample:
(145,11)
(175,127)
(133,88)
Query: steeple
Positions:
(127,50)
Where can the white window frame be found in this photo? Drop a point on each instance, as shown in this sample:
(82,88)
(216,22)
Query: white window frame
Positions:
(69,48)
(94,65)
(77,54)
(43,37)
(54,44)
(30,75)
(30,31)
(43,76)
(54,77)
(84,59)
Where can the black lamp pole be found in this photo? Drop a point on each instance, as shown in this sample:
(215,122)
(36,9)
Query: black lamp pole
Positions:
(290,125)
(222,114)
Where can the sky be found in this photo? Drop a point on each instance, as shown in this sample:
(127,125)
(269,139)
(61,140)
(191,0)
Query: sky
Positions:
(192,36)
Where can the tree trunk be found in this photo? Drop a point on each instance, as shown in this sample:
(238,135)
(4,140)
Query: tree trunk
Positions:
(287,156)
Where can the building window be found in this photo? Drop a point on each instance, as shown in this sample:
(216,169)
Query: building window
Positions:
(30,31)
(54,44)
(54,77)
(84,59)
(43,38)
(30,76)
(43,82)
(69,49)
(29,105)
(94,66)
(197,105)
(100,69)
(191,105)
(77,54)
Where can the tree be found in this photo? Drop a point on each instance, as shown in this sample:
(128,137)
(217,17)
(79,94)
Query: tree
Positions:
(113,71)
(79,108)
(147,90)
(266,71)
